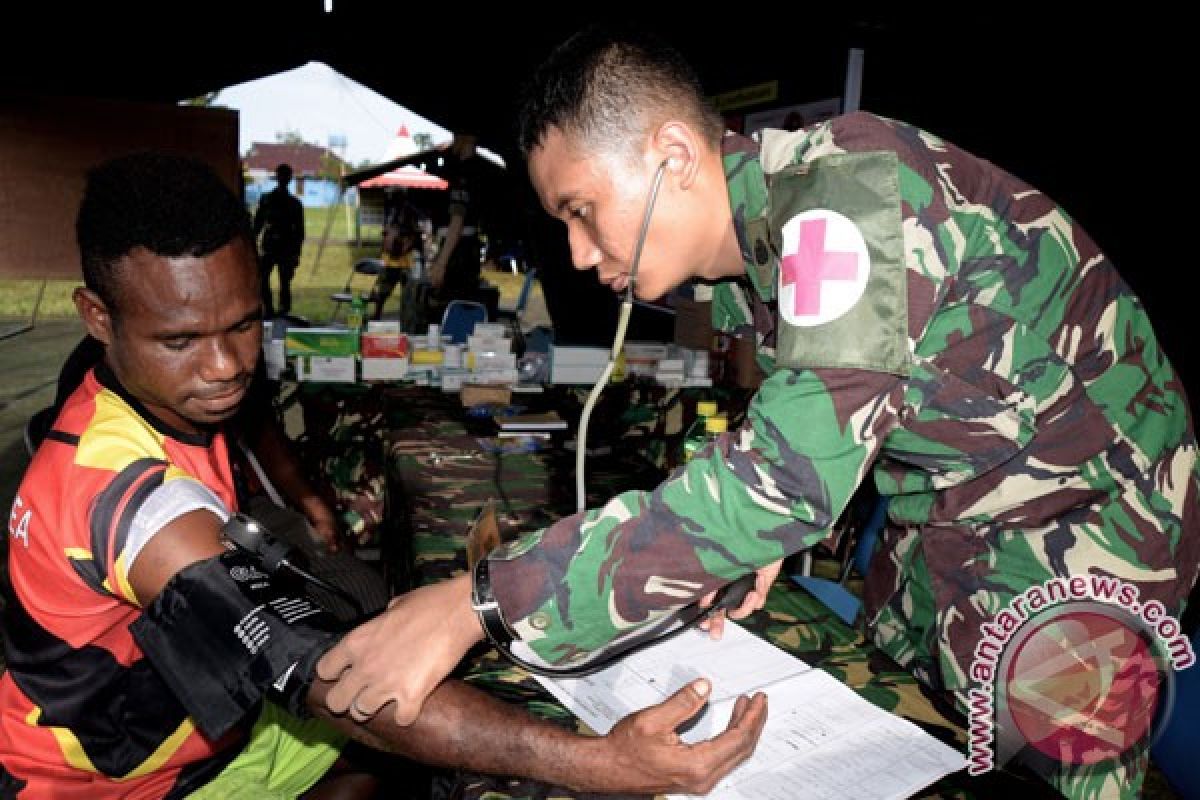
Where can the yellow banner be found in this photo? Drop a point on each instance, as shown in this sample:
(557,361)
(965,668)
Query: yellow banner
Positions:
(747,96)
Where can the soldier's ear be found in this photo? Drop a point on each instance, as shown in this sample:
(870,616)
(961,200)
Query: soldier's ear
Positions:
(677,144)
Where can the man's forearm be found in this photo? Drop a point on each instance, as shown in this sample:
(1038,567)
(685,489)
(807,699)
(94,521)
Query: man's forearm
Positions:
(277,460)
(272,449)
(464,728)
(437,274)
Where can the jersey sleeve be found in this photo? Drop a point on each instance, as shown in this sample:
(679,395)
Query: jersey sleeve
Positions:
(141,500)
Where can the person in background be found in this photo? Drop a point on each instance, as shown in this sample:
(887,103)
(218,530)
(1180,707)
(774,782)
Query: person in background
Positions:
(403,247)
(280,220)
(454,273)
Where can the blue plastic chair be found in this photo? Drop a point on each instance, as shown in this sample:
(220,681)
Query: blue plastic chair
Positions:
(832,594)
(869,536)
(526,287)
(460,317)
(1179,743)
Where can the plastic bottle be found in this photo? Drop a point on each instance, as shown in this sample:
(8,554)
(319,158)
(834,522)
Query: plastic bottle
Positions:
(618,373)
(696,437)
(358,312)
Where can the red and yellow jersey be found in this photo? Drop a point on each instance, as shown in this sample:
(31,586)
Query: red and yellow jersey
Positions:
(82,713)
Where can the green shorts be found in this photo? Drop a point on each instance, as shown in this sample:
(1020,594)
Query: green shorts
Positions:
(283,758)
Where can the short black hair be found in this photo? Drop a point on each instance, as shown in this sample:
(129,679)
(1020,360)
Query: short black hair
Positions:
(607,86)
(169,204)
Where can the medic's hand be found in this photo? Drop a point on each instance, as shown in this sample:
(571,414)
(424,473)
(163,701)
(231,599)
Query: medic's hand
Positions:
(403,654)
(715,625)
(643,754)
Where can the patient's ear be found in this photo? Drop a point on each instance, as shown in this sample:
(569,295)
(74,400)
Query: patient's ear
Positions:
(94,312)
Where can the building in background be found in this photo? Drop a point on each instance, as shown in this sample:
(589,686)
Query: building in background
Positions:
(316,171)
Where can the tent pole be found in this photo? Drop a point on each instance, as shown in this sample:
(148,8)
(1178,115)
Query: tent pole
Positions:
(37,305)
(325,234)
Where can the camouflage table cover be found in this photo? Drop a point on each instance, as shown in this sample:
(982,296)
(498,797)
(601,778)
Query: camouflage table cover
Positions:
(340,429)
(444,476)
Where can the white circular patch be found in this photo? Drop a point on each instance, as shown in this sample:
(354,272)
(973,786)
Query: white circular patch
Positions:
(824,268)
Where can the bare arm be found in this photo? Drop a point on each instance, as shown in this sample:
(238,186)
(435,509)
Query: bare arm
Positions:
(274,453)
(459,726)
(190,538)
(437,273)
(464,728)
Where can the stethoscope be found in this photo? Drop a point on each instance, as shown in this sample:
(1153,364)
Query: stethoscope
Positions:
(728,598)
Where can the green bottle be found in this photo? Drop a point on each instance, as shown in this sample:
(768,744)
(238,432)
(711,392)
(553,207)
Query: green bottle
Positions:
(358,312)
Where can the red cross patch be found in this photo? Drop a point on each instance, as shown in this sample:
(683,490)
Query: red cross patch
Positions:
(824,268)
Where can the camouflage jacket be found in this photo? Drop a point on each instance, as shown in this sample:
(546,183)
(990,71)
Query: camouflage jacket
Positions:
(977,350)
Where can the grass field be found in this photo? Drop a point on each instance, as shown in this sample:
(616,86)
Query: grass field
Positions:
(342,229)
(311,287)
(310,290)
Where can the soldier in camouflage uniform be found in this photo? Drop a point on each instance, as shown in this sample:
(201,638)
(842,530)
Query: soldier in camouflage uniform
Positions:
(919,312)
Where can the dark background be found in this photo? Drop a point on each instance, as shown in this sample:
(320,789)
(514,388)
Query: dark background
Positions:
(1090,109)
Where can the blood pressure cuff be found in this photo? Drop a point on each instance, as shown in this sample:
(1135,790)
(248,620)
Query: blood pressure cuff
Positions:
(224,634)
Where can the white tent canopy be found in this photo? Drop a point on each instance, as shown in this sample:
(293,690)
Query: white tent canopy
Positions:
(325,108)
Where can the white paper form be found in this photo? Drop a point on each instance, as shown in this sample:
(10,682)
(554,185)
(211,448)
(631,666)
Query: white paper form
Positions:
(821,739)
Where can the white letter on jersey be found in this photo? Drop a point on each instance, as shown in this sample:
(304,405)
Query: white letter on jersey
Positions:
(19,528)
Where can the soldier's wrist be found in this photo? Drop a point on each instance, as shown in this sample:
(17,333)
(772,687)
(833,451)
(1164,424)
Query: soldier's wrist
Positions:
(463,618)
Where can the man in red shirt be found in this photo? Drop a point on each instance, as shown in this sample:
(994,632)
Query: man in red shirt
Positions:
(121,510)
